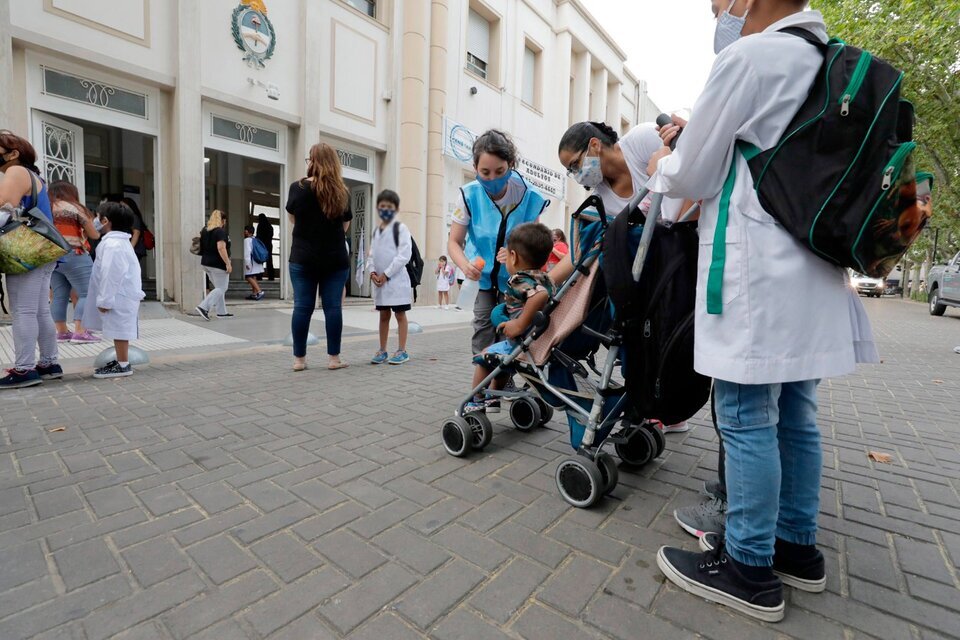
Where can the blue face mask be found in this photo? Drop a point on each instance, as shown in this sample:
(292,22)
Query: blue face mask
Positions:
(387,214)
(496,186)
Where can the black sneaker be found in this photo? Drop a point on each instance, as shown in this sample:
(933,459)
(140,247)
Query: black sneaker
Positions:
(50,372)
(807,574)
(20,379)
(493,405)
(713,489)
(203,313)
(260,295)
(113,370)
(715,576)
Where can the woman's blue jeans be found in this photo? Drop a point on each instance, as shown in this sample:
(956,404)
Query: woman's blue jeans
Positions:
(773,462)
(307,283)
(72,272)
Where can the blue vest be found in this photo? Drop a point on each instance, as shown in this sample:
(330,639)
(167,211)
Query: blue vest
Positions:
(489,228)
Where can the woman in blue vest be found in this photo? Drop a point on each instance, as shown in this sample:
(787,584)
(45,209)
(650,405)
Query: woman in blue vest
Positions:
(489,209)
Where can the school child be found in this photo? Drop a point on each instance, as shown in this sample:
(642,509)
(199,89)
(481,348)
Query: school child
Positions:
(528,290)
(251,269)
(765,336)
(113,299)
(445,276)
(390,251)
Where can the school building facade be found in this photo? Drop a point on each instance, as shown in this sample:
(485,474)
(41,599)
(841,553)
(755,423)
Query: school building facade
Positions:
(190,106)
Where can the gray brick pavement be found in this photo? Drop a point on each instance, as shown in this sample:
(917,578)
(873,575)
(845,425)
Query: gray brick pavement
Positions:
(190,502)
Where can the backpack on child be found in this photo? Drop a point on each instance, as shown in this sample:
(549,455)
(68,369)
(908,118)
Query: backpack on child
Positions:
(841,180)
(258,251)
(415,264)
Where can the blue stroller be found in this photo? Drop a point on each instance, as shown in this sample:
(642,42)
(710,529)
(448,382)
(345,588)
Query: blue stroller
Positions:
(558,360)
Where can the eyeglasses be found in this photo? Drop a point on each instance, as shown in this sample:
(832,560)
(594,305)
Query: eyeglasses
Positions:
(574,167)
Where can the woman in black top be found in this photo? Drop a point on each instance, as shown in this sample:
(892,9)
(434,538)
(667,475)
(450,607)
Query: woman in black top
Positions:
(265,235)
(215,260)
(319,208)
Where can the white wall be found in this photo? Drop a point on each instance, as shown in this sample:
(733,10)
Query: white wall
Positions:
(105,32)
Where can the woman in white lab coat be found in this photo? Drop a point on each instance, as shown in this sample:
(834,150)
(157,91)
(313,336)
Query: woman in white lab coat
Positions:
(390,251)
(775,321)
(113,299)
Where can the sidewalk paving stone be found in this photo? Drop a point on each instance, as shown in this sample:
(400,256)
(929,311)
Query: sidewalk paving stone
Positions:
(186,502)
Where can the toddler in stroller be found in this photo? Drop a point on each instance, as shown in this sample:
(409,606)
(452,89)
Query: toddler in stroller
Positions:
(528,291)
(571,327)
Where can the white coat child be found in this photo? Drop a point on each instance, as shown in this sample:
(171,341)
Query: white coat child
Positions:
(771,321)
(390,251)
(115,292)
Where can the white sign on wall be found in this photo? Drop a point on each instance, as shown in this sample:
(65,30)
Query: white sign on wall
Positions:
(458,141)
(549,182)
(458,144)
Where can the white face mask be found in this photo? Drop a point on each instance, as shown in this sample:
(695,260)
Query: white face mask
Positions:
(729,29)
(589,176)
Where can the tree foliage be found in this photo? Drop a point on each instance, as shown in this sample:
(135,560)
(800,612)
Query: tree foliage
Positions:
(922,38)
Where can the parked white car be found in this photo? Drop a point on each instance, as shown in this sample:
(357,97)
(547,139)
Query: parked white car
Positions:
(864,285)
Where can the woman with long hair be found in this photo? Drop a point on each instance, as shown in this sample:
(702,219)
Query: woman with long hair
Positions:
(318,205)
(76,225)
(215,260)
(29,292)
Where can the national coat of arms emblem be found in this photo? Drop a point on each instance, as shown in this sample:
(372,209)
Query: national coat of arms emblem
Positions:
(253,32)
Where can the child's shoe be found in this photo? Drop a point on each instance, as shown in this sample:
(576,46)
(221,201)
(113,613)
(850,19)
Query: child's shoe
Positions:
(66,336)
(50,371)
(260,295)
(20,378)
(380,358)
(84,338)
(474,406)
(399,357)
(113,370)
(493,405)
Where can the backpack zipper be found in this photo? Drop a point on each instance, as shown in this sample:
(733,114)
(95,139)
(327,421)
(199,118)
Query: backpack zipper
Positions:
(674,337)
(896,164)
(859,75)
(890,173)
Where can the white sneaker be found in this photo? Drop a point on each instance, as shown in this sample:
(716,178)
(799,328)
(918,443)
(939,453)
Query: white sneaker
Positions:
(956,349)
(445,307)
(680,427)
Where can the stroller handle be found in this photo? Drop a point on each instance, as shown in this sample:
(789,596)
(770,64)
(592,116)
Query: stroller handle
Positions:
(653,217)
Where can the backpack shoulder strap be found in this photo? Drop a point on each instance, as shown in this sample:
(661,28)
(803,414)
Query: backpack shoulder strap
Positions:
(803,34)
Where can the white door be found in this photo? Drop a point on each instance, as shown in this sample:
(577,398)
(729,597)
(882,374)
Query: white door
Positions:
(59,146)
(359,237)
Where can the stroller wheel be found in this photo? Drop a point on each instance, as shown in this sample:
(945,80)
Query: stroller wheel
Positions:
(481,430)
(658,437)
(579,481)
(546,412)
(525,414)
(457,436)
(639,449)
(608,471)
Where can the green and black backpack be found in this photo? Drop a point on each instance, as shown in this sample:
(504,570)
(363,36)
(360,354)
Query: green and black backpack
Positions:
(841,180)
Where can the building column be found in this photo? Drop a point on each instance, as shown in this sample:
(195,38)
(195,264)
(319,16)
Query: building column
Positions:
(414,72)
(598,86)
(435,244)
(613,104)
(187,174)
(6,69)
(581,86)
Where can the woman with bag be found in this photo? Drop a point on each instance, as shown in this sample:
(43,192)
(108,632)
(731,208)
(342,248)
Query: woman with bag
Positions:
(29,292)
(215,260)
(73,270)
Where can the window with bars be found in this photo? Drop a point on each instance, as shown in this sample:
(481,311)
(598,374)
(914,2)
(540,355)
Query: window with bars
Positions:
(478,44)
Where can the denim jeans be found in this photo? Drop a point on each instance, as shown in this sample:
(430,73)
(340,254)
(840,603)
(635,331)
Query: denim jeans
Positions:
(72,272)
(773,461)
(217,297)
(306,284)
